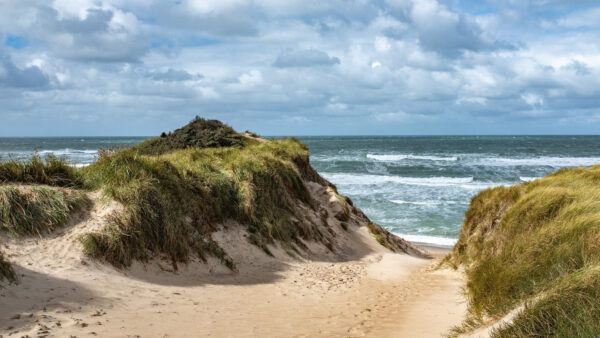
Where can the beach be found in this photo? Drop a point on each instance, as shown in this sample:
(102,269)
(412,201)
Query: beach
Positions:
(379,294)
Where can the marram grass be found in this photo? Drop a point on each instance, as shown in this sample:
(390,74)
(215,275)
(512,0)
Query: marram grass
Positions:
(35,210)
(536,244)
(173,201)
(6,271)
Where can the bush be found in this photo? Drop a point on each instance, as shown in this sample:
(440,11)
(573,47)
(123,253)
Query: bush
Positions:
(199,133)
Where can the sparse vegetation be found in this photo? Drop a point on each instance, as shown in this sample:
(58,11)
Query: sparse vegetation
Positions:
(536,244)
(6,271)
(38,209)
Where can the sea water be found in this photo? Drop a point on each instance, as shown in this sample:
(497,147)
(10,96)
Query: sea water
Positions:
(416,187)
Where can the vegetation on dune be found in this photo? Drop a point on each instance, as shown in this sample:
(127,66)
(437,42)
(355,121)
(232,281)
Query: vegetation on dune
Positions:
(173,201)
(38,209)
(199,133)
(52,171)
(175,189)
(536,244)
(6,271)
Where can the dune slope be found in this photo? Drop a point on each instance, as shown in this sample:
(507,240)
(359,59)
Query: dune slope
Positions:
(535,247)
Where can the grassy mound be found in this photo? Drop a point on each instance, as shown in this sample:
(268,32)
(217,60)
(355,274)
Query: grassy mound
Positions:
(174,200)
(536,244)
(175,190)
(28,211)
(199,133)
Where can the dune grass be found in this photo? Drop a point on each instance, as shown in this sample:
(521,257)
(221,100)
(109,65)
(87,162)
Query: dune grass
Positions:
(173,201)
(51,170)
(6,271)
(536,244)
(34,210)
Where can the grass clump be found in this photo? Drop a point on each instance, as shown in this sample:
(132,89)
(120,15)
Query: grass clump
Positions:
(51,170)
(28,211)
(199,133)
(174,199)
(6,271)
(536,244)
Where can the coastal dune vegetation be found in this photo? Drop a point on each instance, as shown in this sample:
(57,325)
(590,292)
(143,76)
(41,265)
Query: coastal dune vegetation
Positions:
(534,249)
(176,190)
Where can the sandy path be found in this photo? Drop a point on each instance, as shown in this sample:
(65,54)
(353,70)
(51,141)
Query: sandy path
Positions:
(358,298)
(380,294)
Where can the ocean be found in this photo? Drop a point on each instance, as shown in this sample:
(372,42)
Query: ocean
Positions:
(417,187)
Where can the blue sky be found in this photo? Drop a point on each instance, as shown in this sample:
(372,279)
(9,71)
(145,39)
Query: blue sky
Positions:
(300,67)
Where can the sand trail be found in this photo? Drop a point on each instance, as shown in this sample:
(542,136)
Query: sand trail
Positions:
(370,292)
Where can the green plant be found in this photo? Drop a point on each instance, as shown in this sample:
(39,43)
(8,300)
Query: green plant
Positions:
(173,201)
(38,209)
(536,243)
(50,171)
(6,271)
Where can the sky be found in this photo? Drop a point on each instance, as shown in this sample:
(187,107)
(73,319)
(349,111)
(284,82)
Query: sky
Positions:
(300,67)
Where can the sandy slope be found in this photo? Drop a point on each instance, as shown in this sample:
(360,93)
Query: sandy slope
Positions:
(367,291)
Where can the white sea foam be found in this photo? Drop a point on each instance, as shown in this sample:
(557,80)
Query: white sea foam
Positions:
(528,179)
(68,151)
(395,158)
(550,161)
(425,202)
(432,240)
(366,179)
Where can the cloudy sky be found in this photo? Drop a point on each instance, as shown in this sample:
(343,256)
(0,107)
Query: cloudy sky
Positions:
(300,67)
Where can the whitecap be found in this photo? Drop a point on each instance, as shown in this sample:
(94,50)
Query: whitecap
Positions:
(431,240)
(395,158)
(367,179)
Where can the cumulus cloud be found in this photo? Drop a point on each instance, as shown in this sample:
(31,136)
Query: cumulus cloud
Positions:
(305,58)
(389,66)
(30,77)
(171,75)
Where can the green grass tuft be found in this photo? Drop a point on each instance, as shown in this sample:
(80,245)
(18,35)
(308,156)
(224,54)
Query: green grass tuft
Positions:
(536,243)
(6,271)
(52,171)
(28,211)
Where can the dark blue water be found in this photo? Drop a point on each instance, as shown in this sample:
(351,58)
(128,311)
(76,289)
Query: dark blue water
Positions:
(418,187)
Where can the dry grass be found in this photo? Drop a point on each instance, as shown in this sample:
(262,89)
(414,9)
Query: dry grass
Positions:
(174,200)
(38,209)
(536,243)
(6,271)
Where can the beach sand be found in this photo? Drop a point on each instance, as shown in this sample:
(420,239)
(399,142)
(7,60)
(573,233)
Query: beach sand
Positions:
(381,294)
(367,291)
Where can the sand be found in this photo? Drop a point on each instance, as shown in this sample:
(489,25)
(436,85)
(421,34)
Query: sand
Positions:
(366,291)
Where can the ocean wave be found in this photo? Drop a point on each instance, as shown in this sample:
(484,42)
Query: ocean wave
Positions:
(366,179)
(528,179)
(68,151)
(432,240)
(424,202)
(394,158)
(548,161)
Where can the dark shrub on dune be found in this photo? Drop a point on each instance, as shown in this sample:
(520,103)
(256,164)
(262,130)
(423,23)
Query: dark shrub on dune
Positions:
(199,133)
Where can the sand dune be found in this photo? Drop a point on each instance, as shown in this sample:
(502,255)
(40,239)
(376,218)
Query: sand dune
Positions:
(370,292)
